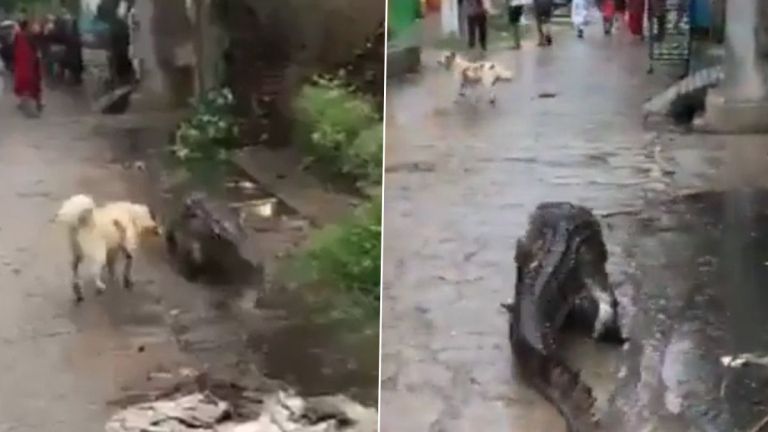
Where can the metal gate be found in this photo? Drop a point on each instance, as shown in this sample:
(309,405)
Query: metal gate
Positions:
(669,33)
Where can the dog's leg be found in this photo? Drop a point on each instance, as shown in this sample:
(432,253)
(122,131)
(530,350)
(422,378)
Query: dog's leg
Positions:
(96,271)
(127,269)
(461,92)
(98,262)
(489,84)
(77,288)
(492,92)
(111,262)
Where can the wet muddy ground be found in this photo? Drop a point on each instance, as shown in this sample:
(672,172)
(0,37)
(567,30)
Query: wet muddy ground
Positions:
(65,363)
(699,293)
(461,181)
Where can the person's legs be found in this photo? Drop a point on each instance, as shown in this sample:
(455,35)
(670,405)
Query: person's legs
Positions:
(515,13)
(661,26)
(482,28)
(608,10)
(471,30)
(635,15)
(579,16)
(680,14)
(547,24)
(537,11)
(540,30)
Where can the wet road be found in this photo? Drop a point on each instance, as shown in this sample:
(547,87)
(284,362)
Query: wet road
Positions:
(700,255)
(461,181)
(64,363)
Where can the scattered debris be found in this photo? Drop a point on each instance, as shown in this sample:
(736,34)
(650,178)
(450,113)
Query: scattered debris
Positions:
(661,163)
(622,212)
(741,360)
(280,412)
(706,263)
(244,185)
(411,167)
(301,225)
(196,412)
(264,208)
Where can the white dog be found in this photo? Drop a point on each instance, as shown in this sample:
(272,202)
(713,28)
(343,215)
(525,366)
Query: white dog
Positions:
(475,74)
(98,235)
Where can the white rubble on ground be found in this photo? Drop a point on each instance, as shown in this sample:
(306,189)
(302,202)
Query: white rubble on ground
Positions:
(281,412)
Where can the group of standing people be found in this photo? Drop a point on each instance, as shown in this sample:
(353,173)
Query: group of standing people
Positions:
(634,11)
(53,46)
(477,11)
(611,11)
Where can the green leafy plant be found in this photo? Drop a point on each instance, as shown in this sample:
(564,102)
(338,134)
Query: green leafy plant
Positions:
(344,129)
(344,261)
(212,130)
(365,157)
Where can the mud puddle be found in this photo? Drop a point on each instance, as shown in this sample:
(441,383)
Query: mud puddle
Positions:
(258,322)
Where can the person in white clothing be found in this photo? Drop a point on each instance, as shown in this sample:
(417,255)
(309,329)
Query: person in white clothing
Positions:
(515,10)
(580,15)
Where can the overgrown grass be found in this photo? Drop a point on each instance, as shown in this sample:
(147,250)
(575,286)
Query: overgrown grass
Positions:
(343,262)
(346,138)
(345,130)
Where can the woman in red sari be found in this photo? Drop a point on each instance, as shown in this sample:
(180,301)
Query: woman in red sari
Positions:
(608,9)
(635,16)
(27,79)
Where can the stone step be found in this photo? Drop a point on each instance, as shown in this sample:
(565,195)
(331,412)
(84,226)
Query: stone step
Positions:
(279,172)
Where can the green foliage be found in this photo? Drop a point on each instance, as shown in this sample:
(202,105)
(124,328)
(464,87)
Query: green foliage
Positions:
(344,260)
(365,157)
(210,132)
(16,6)
(345,129)
(204,141)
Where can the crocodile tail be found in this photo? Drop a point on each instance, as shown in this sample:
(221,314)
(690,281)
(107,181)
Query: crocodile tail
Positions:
(562,387)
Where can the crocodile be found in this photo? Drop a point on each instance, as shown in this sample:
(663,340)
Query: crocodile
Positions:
(561,282)
(203,240)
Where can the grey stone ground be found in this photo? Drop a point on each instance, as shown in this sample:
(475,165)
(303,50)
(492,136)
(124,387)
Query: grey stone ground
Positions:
(461,181)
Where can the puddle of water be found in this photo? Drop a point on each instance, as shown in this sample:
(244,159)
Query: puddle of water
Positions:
(318,358)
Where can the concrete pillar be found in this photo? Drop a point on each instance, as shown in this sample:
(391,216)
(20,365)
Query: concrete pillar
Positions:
(449,17)
(740,104)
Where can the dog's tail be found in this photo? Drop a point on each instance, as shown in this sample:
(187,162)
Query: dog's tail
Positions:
(76,211)
(505,74)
